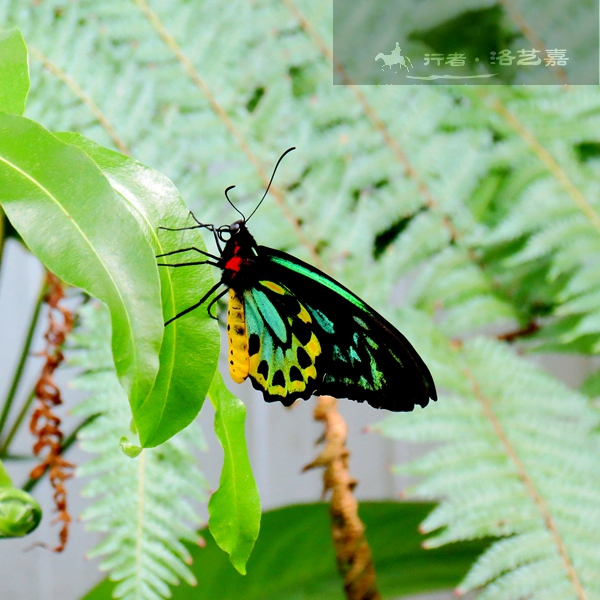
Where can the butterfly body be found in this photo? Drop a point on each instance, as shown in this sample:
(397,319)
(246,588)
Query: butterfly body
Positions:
(297,332)
(239,357)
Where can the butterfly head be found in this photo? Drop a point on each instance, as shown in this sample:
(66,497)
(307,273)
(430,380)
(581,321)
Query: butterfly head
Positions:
(238,240)
(227,232)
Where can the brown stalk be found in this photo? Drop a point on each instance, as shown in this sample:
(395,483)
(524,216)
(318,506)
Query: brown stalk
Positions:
(529,329)
(227,121)
(87,100)
(532,490)
(45,424)
(354,560)
(372,115)
(531,35)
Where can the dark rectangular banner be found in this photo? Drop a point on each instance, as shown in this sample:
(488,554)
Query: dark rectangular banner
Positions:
(433,42)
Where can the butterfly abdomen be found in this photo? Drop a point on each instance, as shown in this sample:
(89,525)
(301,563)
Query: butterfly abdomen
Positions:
(239,358)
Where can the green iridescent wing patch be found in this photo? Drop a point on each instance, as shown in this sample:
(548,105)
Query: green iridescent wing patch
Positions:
(309,335)
(296,332)
(282,343)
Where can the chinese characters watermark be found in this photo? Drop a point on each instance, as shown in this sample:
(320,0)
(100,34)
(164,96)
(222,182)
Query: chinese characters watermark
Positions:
(529,58)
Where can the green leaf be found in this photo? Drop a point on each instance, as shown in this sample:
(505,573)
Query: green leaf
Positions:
(20,513)
(190,348)
(14,72)
(70,217)
(5,480)
(235,507)
(294,558)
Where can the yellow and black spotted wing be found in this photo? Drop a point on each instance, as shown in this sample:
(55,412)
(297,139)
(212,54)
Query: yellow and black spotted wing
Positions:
(273,339)
(297,332)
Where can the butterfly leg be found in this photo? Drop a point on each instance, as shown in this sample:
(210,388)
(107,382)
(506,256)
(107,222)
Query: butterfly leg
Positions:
(198,226)
(195,306)
(211,228)
(190,264)
(178,228)
(187,250)
(216,236)
(213,302)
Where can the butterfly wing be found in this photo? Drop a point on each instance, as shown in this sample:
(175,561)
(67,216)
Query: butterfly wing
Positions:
(307,334)
(278,344)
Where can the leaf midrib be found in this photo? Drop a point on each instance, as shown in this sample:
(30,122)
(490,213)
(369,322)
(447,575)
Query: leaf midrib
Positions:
(84,237)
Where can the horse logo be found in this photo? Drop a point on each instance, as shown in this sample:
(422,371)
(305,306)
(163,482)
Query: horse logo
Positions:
(395,58)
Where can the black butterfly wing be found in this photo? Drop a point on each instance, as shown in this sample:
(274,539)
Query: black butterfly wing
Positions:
(363,357)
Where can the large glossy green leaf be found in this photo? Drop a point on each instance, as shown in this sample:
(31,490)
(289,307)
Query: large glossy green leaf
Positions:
(70,217)
(190,348)
(294,558)
(235,507)
(14,72)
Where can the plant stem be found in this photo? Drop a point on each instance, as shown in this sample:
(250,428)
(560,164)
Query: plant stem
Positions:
(354,560)
(24,355)
(14,457)
(67,443)
(87,100)
(17,424)
(2,234)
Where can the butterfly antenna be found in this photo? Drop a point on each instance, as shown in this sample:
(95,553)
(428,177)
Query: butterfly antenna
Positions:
(232,204)
(270,182)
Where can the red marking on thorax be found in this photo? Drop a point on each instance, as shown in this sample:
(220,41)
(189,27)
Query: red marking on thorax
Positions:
(234,264)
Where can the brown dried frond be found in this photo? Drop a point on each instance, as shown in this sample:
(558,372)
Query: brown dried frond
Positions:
(44,424)
(529,329)
(354,560)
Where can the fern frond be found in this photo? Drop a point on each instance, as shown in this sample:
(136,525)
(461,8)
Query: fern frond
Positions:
(143,505)
(520,463)
(368,161)
(552,209)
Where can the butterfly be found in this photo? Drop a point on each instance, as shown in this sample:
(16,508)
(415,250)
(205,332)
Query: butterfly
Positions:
(297,332)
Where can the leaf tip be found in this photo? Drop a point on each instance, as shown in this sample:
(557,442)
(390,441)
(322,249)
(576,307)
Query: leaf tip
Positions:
(129,449)
(240,567)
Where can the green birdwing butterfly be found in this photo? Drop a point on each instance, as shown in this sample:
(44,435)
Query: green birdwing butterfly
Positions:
(296,332)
